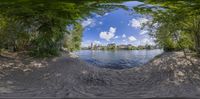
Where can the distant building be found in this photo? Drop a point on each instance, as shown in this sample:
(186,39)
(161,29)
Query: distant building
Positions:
(122,46)
(129,45)
(91,46)
(111,46)
(141,47)
(99,47)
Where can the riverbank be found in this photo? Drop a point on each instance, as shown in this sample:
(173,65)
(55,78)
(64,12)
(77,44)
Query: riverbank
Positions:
(167,75)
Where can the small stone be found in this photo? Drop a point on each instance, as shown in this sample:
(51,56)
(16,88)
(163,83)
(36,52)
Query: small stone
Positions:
(38,65)
(137,69)
(73,55)
(180,73)
(10,63)
(84,72)
(58,74)
(25,70)
(178,63)
(165,68)
(7,66)
(9,82)
(5,90)
(15,67)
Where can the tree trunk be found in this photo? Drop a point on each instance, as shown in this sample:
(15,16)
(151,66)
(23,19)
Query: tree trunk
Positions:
(197,42)
(197,34)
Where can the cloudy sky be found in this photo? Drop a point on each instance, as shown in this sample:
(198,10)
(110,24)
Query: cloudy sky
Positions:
(119,26)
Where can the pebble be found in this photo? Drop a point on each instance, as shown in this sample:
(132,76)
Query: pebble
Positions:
(25,70)
(84,72)
(9,82)
(180,73)
(178,63)
(58,74)
(10,63)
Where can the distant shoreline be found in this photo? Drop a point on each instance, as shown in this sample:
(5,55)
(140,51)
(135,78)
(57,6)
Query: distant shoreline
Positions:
(113,46)
(118,49)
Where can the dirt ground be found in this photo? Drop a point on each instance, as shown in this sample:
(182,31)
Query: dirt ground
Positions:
(167,75)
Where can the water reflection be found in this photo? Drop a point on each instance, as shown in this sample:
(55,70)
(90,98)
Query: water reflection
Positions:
(118,59)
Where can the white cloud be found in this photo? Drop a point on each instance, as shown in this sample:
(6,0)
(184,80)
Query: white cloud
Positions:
(98,16)
(88,22)
(124,36)
(107,35)
(116,37)
(132,39)
(143,32)
(112,30)
(86,43)
(97,42)
(105,14)
(137,23)
(147,41)
(124,41)
(100,23)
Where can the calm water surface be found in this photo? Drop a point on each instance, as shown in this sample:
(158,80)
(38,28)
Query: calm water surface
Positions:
(119,59)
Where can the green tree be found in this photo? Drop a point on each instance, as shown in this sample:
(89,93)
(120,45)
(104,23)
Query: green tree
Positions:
(39,26)
(72,40)
(175,24)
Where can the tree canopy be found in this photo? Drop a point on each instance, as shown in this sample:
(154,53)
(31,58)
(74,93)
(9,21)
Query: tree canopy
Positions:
(175,23)
(40,26)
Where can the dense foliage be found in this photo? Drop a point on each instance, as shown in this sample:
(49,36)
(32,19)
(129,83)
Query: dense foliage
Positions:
(40,26)
(175,23)
(72,40)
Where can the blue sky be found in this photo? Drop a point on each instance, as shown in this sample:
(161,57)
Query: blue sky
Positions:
(119,26)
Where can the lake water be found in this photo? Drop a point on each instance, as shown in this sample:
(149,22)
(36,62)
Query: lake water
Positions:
(119,59)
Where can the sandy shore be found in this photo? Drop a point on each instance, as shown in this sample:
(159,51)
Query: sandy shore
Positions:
(168,75)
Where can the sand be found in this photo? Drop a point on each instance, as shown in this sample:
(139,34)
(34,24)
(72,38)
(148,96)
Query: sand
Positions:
(167,75)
